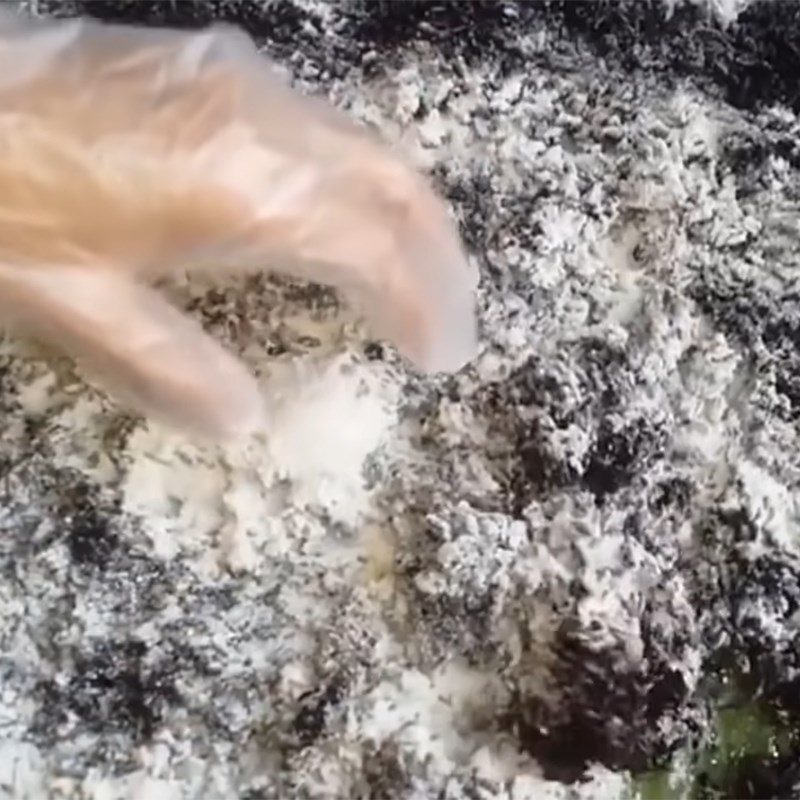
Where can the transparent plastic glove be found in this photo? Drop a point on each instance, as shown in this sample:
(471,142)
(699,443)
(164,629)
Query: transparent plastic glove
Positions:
(128,152)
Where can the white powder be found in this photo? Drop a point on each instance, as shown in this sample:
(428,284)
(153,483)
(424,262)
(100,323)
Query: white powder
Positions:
(325,420)
(774,509)
(283,564)
(726,11)
(22,773)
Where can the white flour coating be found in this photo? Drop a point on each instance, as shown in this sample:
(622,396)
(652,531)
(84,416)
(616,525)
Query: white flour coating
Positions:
(726,11)
(325,420)
(361,549)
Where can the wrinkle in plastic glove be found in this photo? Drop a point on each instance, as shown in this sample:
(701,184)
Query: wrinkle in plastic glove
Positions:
(126,153)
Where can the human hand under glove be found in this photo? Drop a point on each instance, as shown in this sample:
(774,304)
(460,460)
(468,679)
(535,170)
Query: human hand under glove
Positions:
(127,153)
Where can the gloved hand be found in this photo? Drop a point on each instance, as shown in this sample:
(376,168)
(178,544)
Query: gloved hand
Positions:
(127,152)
